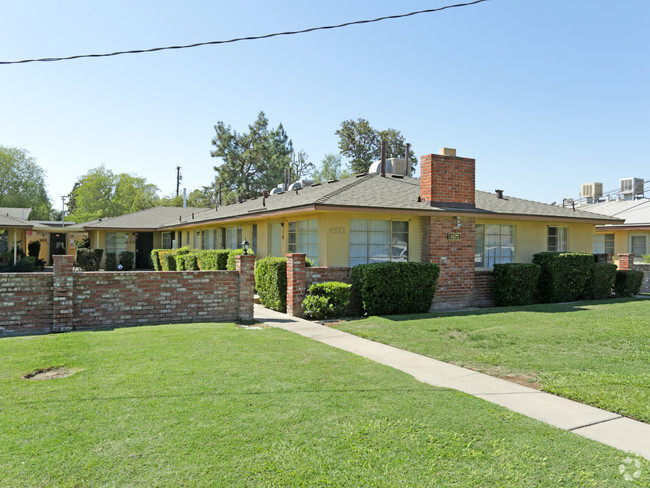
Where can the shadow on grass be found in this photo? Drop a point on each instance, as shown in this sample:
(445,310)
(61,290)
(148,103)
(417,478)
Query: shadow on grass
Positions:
(538,308)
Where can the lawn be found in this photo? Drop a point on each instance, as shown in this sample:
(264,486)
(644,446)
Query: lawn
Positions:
(593,352)
(218,405)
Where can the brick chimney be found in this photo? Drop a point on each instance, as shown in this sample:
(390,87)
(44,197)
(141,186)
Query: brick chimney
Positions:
(447,180)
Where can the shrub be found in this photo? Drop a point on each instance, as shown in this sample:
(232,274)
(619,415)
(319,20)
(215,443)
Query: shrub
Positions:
(126,260)
(326,300)
(155,259)
(515,283)
(564,275)
(167,260)
(26,264)
(84,243)
(215,259)
(601,283)
(646,257)
(231,264)
(89,259)
(34,248)
(186,262)
(628,283)
(271,282)
(111,261)
(395,288)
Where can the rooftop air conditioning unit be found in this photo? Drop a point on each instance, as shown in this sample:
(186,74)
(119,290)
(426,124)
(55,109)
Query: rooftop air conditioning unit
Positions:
(631,187)
(396,166)
(592,190)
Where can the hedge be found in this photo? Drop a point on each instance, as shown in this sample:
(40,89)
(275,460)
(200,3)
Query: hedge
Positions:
(215,259)
(126,260)
(515,283)
(395,288)
(155,259)
(628,283)
(186,262)
(271,282)
(231,263)
(601,282)
(326,300)
(111,261)
(563,276)
(89,259)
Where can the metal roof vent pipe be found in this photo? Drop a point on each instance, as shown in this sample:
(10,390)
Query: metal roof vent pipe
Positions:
(383,158)
(184,197)
(407,159)
(499,194)
(286,180)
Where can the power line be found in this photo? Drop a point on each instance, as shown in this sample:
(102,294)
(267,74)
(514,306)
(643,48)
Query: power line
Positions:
(251,38)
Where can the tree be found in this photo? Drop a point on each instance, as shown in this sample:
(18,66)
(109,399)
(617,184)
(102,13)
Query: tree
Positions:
(101,193)
(251,161)
(204,198)
(330,169)
(300,167)
(22,183)
(362,144)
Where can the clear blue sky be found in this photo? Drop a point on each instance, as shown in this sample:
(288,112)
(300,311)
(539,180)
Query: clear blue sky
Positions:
(544,94)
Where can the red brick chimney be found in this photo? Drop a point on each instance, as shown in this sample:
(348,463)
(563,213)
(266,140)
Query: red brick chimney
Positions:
(447,180)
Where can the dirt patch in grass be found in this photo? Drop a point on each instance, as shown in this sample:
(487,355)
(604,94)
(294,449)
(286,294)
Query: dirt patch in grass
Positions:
(51,373)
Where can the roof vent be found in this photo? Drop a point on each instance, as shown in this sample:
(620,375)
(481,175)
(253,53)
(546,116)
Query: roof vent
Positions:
(395,166)
(499,194)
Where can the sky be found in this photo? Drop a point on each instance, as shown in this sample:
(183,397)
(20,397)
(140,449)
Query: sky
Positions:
(545,95)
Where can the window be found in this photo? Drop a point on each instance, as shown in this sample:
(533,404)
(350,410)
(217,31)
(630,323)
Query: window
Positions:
(254,238)
(198,240)
(495,244)
(303,237)
(167,240)
(232,237)
(638,248)
(116,242)
(374,241)
(603,243)
(4,240)
(209,239)
(556,239)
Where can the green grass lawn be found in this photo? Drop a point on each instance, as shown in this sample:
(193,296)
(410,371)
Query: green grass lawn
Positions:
(216,405)
(594,352)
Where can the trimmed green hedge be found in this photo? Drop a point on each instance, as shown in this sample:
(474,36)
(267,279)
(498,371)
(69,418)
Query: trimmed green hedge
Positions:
(515,283)
(215,259)
(601,282)
(111,261)
(563,276)
(395,288)
(271,282)
(89,259)
(326,300)
(126,260)
(186,262)
(628,283)
(155,259)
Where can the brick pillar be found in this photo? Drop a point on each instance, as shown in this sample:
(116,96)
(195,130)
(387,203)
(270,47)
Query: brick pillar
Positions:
(245,266)
(296,283)
(625,260)
(62,292)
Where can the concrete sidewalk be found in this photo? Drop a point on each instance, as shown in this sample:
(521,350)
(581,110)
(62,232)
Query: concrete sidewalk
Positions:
(602,426)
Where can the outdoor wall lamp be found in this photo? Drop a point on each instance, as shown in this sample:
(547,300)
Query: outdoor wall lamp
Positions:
(244,246)
(457,221)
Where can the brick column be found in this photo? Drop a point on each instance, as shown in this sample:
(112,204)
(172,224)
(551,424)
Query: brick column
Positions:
(245,266)
(625,260)
(62,292)
(296,283)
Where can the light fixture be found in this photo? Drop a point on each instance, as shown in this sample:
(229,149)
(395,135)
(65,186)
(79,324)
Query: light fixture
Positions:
(244,246)
(457,221)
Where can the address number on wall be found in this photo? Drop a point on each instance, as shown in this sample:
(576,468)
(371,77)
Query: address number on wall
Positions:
(453,236)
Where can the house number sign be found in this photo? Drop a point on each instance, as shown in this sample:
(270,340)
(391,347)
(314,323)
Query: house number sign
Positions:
(453,236)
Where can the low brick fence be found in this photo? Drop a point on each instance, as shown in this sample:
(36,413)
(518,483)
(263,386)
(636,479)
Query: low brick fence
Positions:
(626,261)
(66,300)
(484,288)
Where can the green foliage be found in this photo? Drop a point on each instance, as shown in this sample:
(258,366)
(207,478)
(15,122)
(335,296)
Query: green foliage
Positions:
(101,193)
(214,259)
(34,248)
(330,169)
(204,198)
(326,300)
(271,282)
(515,283)
(83,242)
(395,288)
(22,183)
(126,260)
(89,259)
(155,259)
(24,265)
(167,260)
(628,283)
(362,144)
(563,276)
(186,261)
(646,257)
(251,161)
(231,263)
(111,261)
(601,283)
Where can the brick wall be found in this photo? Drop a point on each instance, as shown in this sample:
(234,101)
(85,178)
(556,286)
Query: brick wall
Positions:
(63,300)
(448,180)
(484,288)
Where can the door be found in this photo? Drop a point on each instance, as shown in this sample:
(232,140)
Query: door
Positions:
(275,239)
(143,248)
(57,245)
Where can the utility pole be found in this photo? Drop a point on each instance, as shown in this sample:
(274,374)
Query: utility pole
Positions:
(178,179)
(63,210)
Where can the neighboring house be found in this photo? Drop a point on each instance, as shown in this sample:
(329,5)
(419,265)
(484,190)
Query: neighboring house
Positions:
(439,217)
(13,231)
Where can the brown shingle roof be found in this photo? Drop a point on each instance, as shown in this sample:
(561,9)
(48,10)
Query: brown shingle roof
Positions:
(149,219)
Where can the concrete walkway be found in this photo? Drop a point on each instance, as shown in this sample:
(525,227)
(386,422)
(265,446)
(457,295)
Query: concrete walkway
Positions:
(594,423)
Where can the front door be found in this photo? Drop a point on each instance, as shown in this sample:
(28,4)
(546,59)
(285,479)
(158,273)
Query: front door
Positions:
(143,248)
(275,239)
(57,245)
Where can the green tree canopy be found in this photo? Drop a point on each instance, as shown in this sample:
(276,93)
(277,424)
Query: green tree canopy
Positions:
(252,161)
(362,144)
(204,197)
(101,193)
(330,169)
(22,183)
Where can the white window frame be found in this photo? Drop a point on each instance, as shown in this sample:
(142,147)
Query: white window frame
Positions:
(502,245)
(363,238)
(116,242)
(638,256)
(302,237)
(167,241)
(562,236)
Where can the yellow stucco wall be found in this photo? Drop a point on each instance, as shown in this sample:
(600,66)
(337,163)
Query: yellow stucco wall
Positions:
(623,241)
